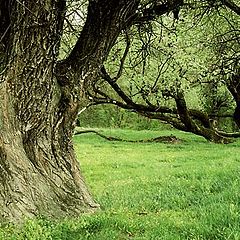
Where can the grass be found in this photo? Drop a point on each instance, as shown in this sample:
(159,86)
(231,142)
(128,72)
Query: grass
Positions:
(187,190)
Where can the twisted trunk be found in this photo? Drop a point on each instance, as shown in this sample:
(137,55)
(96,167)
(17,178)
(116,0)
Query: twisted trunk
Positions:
(40,97)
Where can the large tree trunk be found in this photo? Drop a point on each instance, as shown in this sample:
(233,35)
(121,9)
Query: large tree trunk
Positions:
(40,99)
(39,171)
(38,176)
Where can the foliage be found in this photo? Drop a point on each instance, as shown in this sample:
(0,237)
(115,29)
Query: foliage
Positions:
(107,116)
(177,69)
(150,191)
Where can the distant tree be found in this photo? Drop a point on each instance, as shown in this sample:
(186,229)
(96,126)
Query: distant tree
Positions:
(156,76)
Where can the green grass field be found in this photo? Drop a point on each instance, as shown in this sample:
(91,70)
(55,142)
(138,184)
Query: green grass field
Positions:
(187,190)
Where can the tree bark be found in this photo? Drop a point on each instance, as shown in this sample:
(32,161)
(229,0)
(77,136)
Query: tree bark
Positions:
(234,88)
(40,100)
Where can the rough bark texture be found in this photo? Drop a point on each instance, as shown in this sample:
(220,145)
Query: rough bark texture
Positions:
(39,173)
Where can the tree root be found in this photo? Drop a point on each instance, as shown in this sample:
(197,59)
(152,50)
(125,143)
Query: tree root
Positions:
(163,139)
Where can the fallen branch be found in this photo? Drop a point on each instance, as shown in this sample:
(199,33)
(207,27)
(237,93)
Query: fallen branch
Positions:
(164,139)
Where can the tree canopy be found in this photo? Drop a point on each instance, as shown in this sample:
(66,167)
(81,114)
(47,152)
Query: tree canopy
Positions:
(183,70)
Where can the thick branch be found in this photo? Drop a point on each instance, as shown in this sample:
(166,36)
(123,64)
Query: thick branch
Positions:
(105,20)
(203,128)
(167,119)
(130,104)
(183,112)
(158,9)
(128,100)
(231,5)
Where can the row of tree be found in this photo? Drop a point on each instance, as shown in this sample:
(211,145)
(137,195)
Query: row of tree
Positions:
(41,91)
(182,70)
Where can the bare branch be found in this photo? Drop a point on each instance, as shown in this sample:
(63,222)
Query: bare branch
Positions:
(122,61)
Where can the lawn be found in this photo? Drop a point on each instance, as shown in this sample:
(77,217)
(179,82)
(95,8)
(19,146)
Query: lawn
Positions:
(184,190)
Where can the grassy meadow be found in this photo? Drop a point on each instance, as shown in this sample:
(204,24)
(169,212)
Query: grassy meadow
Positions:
(170,191)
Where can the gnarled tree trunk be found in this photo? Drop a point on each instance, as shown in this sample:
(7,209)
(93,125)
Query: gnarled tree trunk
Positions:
(39,103)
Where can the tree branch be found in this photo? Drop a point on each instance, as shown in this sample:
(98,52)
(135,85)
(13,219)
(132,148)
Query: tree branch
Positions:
(157,9)
(183,111)
(5,26)
(122,61)
(231,5)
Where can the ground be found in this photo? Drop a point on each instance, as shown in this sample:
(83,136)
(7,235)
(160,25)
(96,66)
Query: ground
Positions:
(183,190)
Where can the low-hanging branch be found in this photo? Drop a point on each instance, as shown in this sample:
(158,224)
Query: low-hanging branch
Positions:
(180,116)
(163,139)
(128,103)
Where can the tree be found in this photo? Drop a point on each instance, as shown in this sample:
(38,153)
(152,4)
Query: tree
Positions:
(166,96)
(40,98)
